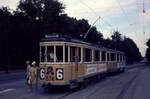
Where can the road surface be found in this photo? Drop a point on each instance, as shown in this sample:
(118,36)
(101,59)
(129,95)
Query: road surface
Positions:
(134,83)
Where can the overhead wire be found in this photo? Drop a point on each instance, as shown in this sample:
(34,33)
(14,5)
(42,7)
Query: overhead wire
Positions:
(96,14)
(142,12)
(103,19)
(90,28)
(123,11)
(139,25)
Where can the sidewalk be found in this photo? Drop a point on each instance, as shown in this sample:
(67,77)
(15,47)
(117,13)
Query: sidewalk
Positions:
(134,65)
(11,72)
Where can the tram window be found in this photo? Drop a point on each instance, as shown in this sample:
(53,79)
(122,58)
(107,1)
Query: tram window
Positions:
(121,58)
(50,54)
(72,52)
(103,56)
(112,57)
(124,58)
(42,53)
(87,55)
(96,55)
(59,53)
(66,53)
(118,57)
(79,55)
(108,58)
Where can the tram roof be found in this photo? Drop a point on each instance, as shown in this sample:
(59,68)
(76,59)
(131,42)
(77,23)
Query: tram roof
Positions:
(56,37)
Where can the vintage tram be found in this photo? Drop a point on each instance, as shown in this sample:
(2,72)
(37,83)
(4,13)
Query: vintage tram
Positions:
(68,61)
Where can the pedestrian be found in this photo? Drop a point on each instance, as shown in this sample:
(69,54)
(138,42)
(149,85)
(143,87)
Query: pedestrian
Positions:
(33,75)
(27,71)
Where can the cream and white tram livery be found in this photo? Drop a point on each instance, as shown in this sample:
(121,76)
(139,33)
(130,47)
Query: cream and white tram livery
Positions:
(67,61)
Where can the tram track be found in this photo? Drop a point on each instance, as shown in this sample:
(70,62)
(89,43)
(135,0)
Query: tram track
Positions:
(123,91)
(128,84)
(68,93)
(126,87)
(90,85)
(104,84)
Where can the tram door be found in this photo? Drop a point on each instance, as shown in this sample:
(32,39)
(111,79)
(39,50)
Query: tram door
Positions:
(74,60)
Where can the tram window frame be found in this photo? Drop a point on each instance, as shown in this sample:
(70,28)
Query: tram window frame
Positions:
(42,54)
(96,55)
(87,55)
(103,56)
(50,55)
(59,58)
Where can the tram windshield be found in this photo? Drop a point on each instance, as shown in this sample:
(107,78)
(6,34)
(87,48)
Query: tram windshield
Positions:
(52,54)
(59,53)
(42,53)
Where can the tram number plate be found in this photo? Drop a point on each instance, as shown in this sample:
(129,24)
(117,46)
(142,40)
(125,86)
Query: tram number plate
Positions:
(42,73)
(59,74)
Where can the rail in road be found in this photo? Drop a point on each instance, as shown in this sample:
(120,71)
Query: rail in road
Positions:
(122,92)
(120,83)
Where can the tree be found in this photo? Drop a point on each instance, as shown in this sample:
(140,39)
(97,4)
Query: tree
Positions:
(5,29)
(117,40)
(21,31)
(131,50)
(124,44)
(148,50)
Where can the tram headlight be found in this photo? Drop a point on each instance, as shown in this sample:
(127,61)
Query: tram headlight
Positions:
(49,69)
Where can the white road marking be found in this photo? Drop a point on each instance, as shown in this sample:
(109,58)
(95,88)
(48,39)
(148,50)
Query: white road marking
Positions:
(6,90)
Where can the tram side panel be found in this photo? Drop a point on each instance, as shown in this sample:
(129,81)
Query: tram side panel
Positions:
(81,69)
(95,69)
(73,71)
(112,67)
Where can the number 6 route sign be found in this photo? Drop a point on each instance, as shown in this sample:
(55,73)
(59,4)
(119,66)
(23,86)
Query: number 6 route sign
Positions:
(59,74)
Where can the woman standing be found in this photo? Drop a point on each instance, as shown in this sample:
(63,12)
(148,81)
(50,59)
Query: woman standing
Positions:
(33,75)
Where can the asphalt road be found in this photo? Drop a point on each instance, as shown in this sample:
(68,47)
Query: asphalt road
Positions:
(132,84)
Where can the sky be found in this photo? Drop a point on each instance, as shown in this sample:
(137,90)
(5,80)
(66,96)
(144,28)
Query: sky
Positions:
(126,16)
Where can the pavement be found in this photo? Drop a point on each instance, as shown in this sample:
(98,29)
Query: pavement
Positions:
(132,84)
(11,72)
